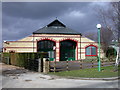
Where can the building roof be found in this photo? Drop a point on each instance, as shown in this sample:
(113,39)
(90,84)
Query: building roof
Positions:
(56,27)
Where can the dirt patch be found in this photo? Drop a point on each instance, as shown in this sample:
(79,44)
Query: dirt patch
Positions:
(14,72)
(43,77)
(10,70)
(51,79)
(28,80)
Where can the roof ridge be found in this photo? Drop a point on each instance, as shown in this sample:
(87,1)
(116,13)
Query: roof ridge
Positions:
(56,22)
(55,28)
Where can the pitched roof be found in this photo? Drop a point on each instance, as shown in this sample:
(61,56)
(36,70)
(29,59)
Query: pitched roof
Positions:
(55,27)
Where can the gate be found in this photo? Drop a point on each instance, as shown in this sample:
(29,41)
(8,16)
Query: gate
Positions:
(31,64)
(13,58)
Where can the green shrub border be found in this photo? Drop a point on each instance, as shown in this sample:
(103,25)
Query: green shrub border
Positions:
(26,60)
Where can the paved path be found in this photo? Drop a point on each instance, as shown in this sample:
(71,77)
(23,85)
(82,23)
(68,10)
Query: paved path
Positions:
(37,80)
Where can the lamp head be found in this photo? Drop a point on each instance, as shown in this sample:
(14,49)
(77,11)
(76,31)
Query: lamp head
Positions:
(98,26)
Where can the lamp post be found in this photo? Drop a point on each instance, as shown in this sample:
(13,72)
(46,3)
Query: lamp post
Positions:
(99,63)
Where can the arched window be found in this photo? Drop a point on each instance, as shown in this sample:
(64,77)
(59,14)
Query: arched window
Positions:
(91,50)
(45,45)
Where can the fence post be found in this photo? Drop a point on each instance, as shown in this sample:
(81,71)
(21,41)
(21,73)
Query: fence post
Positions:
(101,61)
(45,65)
(92,63)
(67,65)
(49,66)
(54,66)
(8,60)
(39,65)
(81,64)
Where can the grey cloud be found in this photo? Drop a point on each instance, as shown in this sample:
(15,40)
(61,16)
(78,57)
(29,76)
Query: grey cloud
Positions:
(38,10)
(21,19)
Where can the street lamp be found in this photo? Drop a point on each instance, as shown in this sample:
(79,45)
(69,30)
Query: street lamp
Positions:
(99,63)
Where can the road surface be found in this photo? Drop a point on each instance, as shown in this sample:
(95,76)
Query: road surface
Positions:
(27,79)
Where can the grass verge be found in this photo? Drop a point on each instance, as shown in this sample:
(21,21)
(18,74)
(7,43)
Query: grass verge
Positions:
(106,72)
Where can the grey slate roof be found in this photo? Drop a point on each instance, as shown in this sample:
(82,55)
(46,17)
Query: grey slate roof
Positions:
(56,27)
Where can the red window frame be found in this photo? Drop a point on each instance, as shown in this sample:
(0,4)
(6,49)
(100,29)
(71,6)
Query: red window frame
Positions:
(90,50)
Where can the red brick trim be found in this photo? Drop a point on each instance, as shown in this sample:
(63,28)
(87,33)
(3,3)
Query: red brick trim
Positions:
(21,41)
(90,51)
(76,57)
(56,36)
(20,47)
(46,39)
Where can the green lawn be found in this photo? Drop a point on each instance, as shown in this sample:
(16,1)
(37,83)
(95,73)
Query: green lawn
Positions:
(107,71)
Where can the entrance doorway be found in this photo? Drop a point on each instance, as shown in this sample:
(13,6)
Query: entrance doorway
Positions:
(67,50)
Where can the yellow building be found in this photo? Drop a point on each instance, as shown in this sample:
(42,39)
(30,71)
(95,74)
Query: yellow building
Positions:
(60,42)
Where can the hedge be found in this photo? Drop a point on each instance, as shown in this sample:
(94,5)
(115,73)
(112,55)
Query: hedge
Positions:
(26,60)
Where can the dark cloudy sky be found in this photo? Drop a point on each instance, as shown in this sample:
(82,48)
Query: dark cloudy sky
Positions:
(20,19)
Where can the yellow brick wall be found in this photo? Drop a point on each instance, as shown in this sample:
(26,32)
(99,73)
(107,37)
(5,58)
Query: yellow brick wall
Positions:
(86,42)
(26,44)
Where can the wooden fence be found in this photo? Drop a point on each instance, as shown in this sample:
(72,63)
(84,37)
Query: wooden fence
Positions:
(76,65)
(30,61)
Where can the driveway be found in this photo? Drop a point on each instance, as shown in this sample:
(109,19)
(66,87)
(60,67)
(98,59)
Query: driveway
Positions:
(15,77)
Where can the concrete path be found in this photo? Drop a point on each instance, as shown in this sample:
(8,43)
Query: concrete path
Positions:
(35,80)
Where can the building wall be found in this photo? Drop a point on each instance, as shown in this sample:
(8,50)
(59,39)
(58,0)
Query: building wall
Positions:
(86,42)
(29,44)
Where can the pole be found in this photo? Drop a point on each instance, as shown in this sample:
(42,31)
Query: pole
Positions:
(99,63)
(114,52)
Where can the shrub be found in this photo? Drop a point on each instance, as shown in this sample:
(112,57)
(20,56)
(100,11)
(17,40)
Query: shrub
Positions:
(111,53)
(26,60)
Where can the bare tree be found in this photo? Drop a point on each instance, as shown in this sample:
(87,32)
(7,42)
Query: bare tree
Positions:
(106,38)
(110,18)
(91,35)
